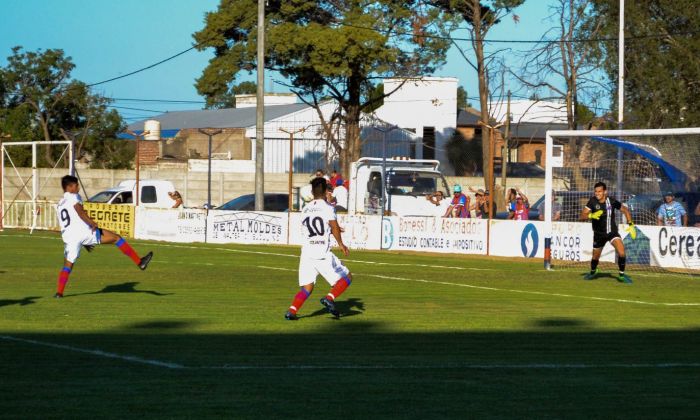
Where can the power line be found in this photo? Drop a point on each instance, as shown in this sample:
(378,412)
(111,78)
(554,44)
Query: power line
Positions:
(138,109)
(170,101)
(144,68)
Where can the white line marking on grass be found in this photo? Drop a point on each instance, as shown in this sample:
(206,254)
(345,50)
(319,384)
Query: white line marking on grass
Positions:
(470,366)
(99,353)
(431,281)
(497,289)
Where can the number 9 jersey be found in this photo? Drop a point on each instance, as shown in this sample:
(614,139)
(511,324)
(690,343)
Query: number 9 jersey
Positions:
(316,229)
(73,228)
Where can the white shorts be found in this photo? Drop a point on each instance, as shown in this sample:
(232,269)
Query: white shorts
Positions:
(73,244)
(329,267)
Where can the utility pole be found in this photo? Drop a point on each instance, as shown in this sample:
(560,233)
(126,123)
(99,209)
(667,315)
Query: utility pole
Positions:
(291,162)
(492,180)
(620,92)
(505,154)
(209,132)
(260,113)
(138,138)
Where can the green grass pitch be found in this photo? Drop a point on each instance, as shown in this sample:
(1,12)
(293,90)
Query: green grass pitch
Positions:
(201,334)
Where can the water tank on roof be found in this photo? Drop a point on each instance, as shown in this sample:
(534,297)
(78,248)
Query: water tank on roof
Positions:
(152,130)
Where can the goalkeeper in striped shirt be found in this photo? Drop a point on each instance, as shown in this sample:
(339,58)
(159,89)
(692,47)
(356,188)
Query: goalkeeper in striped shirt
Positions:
(600,210)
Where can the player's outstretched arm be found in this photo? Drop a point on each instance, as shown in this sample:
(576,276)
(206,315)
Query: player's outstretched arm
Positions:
(335,230)
(628,215)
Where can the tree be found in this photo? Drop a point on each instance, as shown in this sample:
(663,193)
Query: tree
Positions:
(662,60)
(39,99)
(480,17)
(462,100)
(228,98)
(325,49)
(568,67)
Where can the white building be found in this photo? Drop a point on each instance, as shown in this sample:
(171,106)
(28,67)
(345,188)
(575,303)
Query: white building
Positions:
(426,106)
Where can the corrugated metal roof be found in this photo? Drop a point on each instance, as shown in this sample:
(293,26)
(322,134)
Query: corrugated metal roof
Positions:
(217,118)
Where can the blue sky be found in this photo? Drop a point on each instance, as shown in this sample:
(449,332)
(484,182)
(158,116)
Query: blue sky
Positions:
(109,38)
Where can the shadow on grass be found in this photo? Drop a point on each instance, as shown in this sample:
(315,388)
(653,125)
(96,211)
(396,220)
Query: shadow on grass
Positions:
(561,322)
(128,287)
(347,308)
(600,276)
(21,302)
(383,373)
(162,325)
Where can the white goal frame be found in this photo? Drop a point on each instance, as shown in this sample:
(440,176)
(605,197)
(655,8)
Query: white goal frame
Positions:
(549,148)
(35,172)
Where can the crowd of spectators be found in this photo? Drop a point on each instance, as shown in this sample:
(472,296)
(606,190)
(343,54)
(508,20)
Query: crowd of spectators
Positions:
(337,192)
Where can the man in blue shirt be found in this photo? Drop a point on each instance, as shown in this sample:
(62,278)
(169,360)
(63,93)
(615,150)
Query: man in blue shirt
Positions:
(671,212)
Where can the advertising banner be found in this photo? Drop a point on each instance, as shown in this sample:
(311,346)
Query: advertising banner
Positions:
(118,218)
(358,231)
(172,225)
(434,234)
(665,246)
(517,238)
(247,227)
(573,241)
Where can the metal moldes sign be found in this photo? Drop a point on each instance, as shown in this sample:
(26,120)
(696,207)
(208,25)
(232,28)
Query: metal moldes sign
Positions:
(247,227)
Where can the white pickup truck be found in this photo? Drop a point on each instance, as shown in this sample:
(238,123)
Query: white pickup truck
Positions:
(408,184)
(154,193)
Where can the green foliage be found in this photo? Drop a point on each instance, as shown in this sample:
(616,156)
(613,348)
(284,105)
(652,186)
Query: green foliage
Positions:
(39,101)
(464,155)
(662,60)
(462,98)
(228,98)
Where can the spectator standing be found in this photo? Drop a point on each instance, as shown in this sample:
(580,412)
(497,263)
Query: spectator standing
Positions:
(556,209)
(697,215)
(671,212)
(340,195)
(510,202)
(521,210)
(335,176)
(482,204)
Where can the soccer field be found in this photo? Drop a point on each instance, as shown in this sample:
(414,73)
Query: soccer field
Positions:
(201,334)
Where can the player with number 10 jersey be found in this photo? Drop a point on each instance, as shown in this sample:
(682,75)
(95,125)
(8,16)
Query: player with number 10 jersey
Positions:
(318,223)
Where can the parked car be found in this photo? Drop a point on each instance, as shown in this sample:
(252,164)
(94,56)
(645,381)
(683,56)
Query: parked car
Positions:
(271,202)
(154,193)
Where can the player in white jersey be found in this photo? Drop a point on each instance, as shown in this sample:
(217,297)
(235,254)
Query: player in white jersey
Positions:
(78,230)
(318,223)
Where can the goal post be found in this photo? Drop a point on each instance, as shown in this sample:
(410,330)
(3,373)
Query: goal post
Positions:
(640,168)
(20,200)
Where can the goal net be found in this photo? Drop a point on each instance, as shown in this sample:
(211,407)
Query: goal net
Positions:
(655,173)
(30,182)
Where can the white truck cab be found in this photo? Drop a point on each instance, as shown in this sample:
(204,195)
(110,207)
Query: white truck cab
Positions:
(154,193)
(406,188)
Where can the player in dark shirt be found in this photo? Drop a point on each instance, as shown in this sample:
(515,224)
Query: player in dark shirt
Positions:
(600,210)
